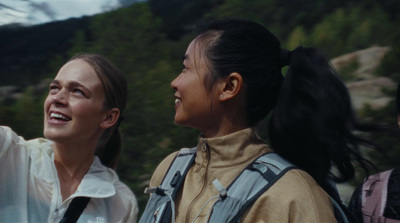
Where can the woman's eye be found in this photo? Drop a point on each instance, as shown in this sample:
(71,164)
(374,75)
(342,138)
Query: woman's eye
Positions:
(77,91)
(53,89)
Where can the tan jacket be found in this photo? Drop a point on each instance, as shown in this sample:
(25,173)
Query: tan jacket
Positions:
(296,197)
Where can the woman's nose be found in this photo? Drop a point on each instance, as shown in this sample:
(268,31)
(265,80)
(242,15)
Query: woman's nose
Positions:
(60,97)
(174,83)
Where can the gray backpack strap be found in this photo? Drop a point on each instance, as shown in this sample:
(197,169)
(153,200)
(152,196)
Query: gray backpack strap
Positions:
(340,215)
(158,208)
(248,186)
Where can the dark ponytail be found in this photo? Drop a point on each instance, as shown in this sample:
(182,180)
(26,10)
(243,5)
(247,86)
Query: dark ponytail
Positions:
(313,120)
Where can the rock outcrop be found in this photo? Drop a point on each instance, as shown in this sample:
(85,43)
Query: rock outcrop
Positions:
(366,88)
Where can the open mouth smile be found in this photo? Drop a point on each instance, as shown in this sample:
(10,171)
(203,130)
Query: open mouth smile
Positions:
(177,101)
(59,116)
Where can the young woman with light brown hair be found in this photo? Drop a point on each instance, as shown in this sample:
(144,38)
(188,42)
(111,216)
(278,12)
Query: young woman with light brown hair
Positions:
(59,178)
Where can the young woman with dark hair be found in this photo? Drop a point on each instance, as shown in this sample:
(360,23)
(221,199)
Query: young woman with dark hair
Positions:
(54,179)
(231,81)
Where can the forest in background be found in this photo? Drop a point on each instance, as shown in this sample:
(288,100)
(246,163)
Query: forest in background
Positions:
(147,41)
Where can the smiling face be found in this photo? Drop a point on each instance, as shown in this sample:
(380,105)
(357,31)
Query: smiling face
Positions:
(194,105)
(74,107)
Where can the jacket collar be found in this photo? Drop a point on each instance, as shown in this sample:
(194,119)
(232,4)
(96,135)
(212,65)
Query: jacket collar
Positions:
(230,150)
(98,182)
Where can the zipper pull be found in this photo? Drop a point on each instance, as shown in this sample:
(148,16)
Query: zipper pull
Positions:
(205,146)
(156,215)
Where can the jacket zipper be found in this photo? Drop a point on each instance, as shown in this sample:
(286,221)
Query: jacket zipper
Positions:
(56,193)
(190,208)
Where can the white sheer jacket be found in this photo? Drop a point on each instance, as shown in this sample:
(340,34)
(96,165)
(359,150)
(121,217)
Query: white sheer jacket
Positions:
(30,191)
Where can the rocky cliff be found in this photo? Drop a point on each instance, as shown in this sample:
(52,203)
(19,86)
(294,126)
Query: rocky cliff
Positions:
(365,86)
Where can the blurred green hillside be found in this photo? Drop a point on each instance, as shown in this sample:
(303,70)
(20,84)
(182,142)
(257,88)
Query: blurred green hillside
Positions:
(147,41)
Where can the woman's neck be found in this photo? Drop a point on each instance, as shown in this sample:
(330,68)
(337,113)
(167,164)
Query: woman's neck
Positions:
(222,131)
(72,163)
(227,121)
(225,126)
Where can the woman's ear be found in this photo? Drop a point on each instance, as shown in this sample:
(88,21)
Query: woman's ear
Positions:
(110,119)
(231,86)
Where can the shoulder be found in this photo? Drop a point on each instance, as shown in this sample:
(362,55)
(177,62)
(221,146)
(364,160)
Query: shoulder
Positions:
(105,179)
(161,169)
(125,193)
(127,202)
(124,199)
(295,197)
(299,185)
(122,188)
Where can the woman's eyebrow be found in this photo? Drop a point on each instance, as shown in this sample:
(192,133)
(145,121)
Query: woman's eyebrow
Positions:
(55,82)
(73,84)
(77,84)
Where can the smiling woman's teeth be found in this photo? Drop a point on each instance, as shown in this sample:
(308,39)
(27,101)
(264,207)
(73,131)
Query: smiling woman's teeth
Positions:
(177,100)
(58,116)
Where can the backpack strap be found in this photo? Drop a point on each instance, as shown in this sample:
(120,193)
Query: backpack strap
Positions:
(253,181)
(160,207)
(374,197)
(342,213)
(248,186)
(339,212)
(75,209)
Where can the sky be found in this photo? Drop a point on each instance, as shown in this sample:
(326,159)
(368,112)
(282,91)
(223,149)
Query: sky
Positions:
(31,12)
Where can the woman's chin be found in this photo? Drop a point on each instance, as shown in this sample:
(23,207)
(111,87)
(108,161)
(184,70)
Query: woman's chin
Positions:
(53,135)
